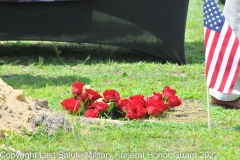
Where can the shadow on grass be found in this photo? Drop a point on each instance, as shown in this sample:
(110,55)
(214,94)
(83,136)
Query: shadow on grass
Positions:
(73,54)
(19,80)
(237,128)
(194,53)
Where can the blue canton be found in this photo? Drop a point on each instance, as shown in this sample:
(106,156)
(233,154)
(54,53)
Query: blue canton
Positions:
(213,17)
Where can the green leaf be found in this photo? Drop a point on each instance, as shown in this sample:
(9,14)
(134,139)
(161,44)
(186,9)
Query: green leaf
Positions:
(82,108)
(111,106)
(121,119)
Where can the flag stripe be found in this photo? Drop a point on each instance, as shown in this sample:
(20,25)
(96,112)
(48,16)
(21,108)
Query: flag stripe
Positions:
(223,73)
(235,76)
(233,71)
(229,62)
(212,46)
(206,35)
(219,55)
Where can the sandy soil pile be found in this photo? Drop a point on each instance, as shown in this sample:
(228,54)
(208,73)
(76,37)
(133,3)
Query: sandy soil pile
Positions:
(18,112)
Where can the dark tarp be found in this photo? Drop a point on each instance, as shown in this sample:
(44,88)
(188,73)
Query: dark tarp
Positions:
(156,27)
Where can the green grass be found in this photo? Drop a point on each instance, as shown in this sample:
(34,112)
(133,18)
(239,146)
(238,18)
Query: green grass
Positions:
(42,72)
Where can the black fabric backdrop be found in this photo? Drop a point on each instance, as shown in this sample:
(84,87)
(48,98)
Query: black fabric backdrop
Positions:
(156,27)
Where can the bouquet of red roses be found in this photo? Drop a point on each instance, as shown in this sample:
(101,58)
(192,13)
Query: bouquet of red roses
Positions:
(90,103)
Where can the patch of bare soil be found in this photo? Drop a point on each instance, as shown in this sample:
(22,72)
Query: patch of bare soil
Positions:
(18,113)
(189,111)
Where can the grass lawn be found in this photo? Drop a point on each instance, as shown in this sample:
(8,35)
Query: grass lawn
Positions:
(45,74)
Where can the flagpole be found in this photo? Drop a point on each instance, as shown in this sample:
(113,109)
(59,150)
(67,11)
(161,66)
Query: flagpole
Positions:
(208,110)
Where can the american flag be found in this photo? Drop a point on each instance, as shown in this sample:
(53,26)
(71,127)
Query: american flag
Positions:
(221,47)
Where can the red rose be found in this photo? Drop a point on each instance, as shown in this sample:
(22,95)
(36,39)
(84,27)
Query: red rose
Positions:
(157,96)
(111,96)
(72,105)
(90,95)
(167,91)
(154,111)
(93,113)
(156,107)
(123,104)
(100,106)
(135,112)
(77,88)
(174,101)
(137,100)
(89,107)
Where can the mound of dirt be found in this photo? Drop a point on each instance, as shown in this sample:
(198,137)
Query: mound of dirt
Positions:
(19,113)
